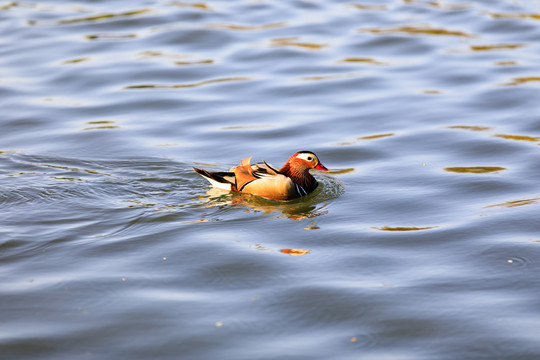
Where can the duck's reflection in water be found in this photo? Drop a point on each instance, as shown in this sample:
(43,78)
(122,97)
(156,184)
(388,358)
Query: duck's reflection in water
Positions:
(298,209)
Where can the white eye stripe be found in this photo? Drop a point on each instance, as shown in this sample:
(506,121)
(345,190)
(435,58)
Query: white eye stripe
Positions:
(306,156)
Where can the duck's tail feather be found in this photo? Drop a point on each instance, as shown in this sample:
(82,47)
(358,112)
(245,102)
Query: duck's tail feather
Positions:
(222,180)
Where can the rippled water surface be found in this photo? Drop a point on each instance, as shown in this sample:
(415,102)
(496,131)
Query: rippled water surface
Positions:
(422,242)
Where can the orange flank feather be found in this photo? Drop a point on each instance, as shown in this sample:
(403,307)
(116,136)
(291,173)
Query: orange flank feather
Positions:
(243,174)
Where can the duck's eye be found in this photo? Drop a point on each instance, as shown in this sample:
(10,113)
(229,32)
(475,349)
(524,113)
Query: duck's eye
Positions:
(309,158)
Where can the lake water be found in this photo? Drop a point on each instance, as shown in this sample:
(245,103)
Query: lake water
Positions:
(422,242)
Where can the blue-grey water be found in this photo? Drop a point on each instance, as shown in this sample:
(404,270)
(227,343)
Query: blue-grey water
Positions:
(422,242)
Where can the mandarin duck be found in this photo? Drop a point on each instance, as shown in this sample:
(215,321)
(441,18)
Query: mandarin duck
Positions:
(293,180)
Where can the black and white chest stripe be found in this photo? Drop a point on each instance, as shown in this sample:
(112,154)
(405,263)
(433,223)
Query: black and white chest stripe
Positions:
(300,190)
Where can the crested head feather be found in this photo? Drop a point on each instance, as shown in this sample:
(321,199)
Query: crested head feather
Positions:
(305,152)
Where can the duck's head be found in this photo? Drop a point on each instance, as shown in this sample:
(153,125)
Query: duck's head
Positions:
(306,160)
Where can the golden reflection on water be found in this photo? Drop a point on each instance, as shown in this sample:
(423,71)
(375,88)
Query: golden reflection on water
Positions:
(109,37)
(194,62)
(293,41)
(439,5)
(101,125)
(469,127)
(519,137)
(94,18)
(248,27)
(200,6)
(299,209)
(76,61)
(24,173)
(296,211)
(496,47)
(362,60)
(149,54)
(182,59)
(513,15)
(403,228)
(489,47)
(369,7)
(331,77)
(180,86)
(506,63)
(9,6)
(522,80)
(378,136)
(341,171)
(515,203)
(475,169)
(417,30)
(312,226)
(368,137)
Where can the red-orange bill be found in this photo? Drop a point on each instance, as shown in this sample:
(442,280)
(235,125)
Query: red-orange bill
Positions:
(321,167)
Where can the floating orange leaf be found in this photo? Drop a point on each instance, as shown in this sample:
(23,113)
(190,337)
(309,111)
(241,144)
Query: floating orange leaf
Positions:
(295,252)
